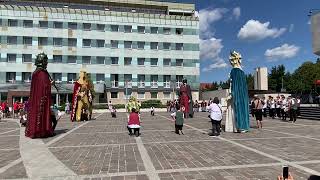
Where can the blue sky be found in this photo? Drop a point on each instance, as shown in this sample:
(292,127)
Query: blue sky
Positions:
(265,32)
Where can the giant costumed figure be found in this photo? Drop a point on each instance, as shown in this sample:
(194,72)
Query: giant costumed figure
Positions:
(133,104)
(237,119)
(185,98)
(82,98)
(39,124)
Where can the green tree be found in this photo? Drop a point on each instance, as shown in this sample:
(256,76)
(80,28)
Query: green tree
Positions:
(275,78)
(250,81)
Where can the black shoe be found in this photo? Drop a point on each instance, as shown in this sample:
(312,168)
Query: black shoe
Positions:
(137,134)
(130,134)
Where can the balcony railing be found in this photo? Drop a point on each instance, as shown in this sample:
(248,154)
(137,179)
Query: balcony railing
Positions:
(141,84)
(27,81)
(154,84)
(128,84)
(114,84)
(100,82)
(166,84)
(178,84)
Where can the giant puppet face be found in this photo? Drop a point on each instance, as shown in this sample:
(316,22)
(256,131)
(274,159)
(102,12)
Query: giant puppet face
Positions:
(235,59)
(41,61)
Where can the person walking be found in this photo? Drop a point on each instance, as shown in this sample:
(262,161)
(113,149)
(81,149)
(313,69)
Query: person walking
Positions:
(215,111)
(258,106)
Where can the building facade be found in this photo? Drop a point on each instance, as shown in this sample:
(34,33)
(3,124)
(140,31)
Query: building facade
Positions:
(133,47)
(261,78)
(315,28)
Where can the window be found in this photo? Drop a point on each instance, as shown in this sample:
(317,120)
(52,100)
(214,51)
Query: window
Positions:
(100,78)
(86,42)
(114,95)
(179,46)
(42,41)
(166,46)
(141,45)
(72,42)
(154,95)
(72,25)
(179,62)
(128,44)
(57,41)
(179,31)
(57,59)
(27,41)
(100,43)
(127,29)
(154,45)
(86,26)
(100,59)
(72,59)
(26,58)
(11,57)
(114,28)
(154,30)
(141,29)
(166,30)
(127,61)
(12,40)
(43,24)
(26,77)
(12,22)
(114,44)
(166,62)
(141,61)
(100,27)
(11,77)
(27,23)
(154,62)
(114,60)
(86,60)
(57,77)
(57,25)
(141,95)
(167,95)
(72,77)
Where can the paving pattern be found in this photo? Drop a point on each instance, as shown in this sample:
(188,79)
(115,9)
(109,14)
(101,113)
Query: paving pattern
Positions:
(102,149)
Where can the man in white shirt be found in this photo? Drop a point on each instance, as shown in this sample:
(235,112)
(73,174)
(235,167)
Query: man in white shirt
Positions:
(283,107)
(265,106)
(215,111)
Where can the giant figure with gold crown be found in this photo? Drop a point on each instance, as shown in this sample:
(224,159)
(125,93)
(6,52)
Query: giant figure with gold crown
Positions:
(133,104)
(82,97)
(238,101)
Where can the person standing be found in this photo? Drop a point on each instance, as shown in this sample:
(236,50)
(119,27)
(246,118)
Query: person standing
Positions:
(272,107)
(178,117)
(215,111)
(134,123)
(265,106)
(293,109)
(185,98)
(258,106)
(39,124)
(298,106)
(278,107)
(283,108)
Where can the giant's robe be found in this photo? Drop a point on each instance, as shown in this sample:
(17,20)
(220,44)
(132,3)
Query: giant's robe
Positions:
(240,99)
(184,97)
(79,103)
(39,124)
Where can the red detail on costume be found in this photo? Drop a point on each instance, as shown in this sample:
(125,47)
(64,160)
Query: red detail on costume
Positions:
(76,90)
(184,98)
(39,124)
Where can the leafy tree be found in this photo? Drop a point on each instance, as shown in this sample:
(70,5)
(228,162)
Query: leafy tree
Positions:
(275,78)
(250,81)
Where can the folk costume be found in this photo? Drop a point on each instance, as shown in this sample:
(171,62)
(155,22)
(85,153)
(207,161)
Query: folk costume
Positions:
(39,124)
(82,98)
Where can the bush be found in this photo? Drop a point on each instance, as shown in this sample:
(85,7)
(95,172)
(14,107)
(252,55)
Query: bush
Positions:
(119,106)
(150,103)
(100,106)
(62,107)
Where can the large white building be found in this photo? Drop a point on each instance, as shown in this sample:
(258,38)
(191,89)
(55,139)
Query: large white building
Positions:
(315,28)
(261,78)
(129,47)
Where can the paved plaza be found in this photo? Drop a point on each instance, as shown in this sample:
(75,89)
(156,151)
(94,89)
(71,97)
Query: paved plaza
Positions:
(102,149)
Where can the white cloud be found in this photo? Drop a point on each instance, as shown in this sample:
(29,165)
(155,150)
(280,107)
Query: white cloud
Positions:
(217,64)
(206,18)
(254,30)
(291,27)
(236,12)
(210,48)
(283,52)
(309,22)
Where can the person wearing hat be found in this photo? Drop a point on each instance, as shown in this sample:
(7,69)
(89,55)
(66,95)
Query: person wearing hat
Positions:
(82,97)
(39,124)
(258,106)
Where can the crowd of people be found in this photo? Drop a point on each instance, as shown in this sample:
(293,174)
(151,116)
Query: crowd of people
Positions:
(280,107)
(197,106)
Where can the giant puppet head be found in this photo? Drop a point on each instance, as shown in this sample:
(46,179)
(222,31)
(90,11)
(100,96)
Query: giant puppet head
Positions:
(235,59)
(41,61)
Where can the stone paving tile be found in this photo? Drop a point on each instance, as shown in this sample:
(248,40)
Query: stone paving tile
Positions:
(8,124)
(261,173)
(99,129)
(167,136)
(94,139)
(200,154)
(254,133)
(133,177)
(15,172)
(297,149)
(9,142)
(101,160)
(8,156)
(312,131)
(315,167)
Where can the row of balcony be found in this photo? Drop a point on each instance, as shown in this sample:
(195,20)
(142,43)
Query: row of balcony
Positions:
(142,84)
